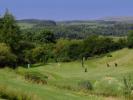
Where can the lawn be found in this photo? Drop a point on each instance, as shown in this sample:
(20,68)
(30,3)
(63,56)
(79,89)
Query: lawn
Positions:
(64,78)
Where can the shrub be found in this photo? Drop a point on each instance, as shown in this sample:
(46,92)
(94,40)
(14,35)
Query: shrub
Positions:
(130,39)
(108,86)
(86,85)
(7,58)
(109,55)
(128,88)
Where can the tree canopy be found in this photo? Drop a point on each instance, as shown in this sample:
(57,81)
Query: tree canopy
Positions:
(10,32)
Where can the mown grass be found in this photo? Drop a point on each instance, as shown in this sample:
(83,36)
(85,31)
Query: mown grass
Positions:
(69,81)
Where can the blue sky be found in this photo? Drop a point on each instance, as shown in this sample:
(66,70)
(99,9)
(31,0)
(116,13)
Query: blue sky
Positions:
(67,9)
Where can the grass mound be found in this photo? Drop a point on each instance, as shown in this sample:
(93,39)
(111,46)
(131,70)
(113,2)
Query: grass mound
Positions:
(32,75)
(36,77)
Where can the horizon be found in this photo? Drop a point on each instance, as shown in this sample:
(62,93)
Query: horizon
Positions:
(91,19)
(62,10)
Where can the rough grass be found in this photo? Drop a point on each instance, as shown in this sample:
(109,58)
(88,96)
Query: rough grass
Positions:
(43,92)
(15,94)
(64,78)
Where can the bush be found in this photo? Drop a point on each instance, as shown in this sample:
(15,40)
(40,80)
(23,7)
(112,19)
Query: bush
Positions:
(108,86)
(7,58)
(130,39)
(41,54)
(109,55)
(86,85)
(128,88)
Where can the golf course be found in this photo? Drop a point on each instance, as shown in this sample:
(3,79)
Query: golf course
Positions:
(69,81)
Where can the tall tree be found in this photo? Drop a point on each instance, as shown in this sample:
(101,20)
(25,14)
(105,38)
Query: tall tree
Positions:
(46,36)
(10,32)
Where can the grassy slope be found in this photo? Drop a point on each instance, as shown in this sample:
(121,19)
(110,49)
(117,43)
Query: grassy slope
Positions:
(42,91)
(64,77)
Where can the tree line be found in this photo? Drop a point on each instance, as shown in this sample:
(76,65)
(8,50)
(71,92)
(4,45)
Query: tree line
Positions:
(18,47)
(81,30)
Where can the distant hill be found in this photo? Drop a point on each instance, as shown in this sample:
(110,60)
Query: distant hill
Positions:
(100,22)
(77,29)
(29,23)
(37,21)
(119,19)
(71,22)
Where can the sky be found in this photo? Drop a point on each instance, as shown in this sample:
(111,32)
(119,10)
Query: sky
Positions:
(67,9)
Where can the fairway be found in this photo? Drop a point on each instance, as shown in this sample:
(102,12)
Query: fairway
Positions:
(64,78)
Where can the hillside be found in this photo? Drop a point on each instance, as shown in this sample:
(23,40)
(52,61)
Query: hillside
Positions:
(30,23)
(78,29)
(126,19)
(64,78)
(71,22)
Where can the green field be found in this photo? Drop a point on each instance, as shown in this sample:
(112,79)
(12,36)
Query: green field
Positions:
(64,79)
(25,25)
